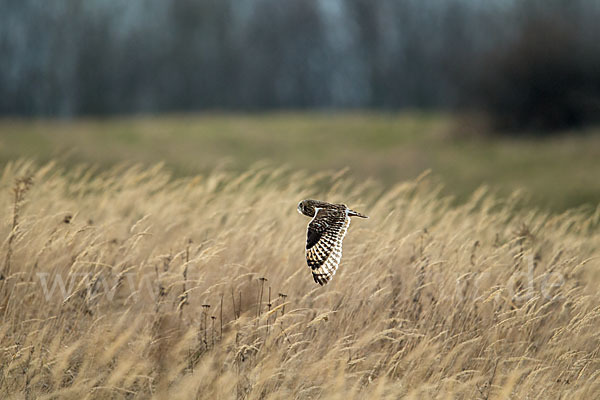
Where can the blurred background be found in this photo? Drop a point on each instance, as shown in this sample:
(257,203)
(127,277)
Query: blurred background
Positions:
(501,93)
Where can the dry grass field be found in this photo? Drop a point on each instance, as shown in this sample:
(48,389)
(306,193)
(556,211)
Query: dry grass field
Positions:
(128,283)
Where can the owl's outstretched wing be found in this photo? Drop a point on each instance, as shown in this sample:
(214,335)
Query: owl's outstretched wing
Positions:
(324,243)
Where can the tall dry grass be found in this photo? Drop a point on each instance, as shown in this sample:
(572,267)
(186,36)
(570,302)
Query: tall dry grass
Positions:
(130,284)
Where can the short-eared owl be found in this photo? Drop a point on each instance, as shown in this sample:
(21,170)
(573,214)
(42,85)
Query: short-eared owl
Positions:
(326,230)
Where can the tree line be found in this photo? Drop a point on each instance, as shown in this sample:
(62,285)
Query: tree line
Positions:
(520,61)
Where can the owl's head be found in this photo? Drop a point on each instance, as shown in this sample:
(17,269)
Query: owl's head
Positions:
(303,208)
(308,207)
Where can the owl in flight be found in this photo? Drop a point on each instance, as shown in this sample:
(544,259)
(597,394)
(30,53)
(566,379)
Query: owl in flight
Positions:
(326,230)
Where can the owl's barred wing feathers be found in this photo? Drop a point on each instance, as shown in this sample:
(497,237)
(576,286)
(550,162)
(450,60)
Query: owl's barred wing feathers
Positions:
(324,237)
(324,242)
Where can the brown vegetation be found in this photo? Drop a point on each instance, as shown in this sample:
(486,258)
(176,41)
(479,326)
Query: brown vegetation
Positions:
(198,288)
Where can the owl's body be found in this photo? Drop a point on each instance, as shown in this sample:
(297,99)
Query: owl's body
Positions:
(324,237)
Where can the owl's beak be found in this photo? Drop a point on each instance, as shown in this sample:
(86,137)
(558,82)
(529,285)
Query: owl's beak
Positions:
(299,210)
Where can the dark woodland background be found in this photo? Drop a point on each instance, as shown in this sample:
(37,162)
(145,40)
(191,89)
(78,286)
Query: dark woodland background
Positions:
(526,64)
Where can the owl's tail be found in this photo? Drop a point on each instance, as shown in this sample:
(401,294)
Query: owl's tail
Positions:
(352,213)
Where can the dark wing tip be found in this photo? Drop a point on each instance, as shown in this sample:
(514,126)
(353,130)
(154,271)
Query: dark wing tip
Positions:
(321,279)
(353,213)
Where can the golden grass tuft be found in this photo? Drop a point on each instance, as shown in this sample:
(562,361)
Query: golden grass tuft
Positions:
(131,284)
